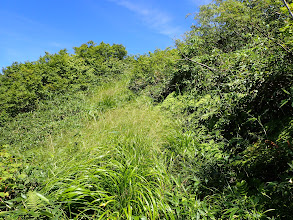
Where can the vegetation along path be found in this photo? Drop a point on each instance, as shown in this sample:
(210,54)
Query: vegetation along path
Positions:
(200,131)
(112,165)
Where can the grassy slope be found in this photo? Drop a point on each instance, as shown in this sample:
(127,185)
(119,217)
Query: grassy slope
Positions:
(112,154)
(106,160)
(115,161)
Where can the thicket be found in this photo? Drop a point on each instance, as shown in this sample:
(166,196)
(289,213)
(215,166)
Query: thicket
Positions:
(24,85)
(202,131)
(233,84)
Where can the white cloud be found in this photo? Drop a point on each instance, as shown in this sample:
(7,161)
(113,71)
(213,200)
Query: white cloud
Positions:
(201,2)
(153,18)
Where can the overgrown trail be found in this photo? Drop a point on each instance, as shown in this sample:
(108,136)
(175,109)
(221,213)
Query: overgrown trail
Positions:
(80,137)
(114,167)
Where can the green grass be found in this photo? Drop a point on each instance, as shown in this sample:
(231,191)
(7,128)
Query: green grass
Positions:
(111,166)
(111,154)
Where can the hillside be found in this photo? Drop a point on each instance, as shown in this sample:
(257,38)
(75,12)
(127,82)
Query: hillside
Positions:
(201,131)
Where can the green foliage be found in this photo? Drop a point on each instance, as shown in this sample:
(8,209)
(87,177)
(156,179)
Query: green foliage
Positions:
(217,145)
(91,52)
(30,130)
(232,93)
(22,86)
(153,73)
(117,172)
(10,173)
(100,157)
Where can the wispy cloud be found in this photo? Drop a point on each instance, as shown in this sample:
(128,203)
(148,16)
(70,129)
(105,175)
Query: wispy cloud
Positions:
(56,44)
(156,19)
(201,2)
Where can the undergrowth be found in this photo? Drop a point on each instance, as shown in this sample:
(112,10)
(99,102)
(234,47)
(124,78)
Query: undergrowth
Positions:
(109,163)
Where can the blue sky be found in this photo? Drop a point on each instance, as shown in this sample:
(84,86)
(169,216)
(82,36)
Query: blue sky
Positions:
(29,28)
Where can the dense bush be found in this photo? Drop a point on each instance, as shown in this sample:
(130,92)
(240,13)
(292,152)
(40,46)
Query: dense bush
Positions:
(233,94)
(23,85)
(152,73)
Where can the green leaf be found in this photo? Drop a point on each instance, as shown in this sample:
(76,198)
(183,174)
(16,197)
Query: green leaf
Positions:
(48,214)
(252,119)
(286,91)
(284,102)
(4,194)
(42,197)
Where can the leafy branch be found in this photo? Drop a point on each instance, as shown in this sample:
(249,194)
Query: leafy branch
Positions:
(272,39)
(194,61)
(287,6)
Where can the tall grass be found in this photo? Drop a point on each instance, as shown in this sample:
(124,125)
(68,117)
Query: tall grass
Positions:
(111,167)
(111,154)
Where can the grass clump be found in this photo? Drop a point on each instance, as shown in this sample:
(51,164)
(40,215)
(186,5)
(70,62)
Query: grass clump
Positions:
(118,170)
